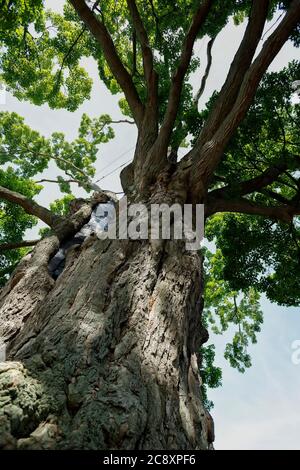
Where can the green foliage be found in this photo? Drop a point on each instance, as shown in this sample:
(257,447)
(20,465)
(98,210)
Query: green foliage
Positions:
(261,254)
(59,207)
(38,62)
(25,154)
(227,309)
(43,50)
(41,60)
(31,153)
(62,206)
(268,135)
(14,221)
(256,252)
(210,374)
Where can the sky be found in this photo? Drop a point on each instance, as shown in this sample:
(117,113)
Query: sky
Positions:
(261,408)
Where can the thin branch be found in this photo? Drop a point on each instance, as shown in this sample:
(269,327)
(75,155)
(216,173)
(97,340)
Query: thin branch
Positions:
(156,18)
(206,73)
(62,160)
(46,180)
(82,184)
(123,77)
(66,56)
(292,178)
(14,246)
(88,181)
(272,26)
(155,15)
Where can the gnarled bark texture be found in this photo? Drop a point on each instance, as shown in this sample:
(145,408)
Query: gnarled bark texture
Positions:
(106,357)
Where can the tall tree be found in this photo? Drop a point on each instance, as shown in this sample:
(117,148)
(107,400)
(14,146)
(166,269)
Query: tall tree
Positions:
(108,355)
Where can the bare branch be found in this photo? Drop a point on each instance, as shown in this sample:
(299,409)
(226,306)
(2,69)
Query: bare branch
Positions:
(82,184)
(123,77)
(206,73)
(75,167)
(30,206)
(14,246)
(46,180)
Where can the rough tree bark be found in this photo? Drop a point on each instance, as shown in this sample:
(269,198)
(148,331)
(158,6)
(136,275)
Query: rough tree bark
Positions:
(106,357)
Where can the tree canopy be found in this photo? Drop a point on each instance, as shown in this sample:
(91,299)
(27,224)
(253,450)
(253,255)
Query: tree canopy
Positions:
(243,156)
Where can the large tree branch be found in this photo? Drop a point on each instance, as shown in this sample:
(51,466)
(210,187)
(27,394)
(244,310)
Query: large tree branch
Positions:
(64,227)
(207,157)
(254,75)
(31,207)
(238,68)
(178,78)
(276,196)
(123,77)
(16,245)
(142,36)
(283,212)
(156,158)
(255,184)
(150,127)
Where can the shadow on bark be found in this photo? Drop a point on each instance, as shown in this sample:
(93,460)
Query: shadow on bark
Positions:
(107,358)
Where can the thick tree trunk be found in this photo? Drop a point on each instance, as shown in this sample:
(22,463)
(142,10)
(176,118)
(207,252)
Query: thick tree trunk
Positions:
(106,357)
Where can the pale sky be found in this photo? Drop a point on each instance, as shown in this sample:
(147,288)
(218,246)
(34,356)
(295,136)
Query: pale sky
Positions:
(261,408)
